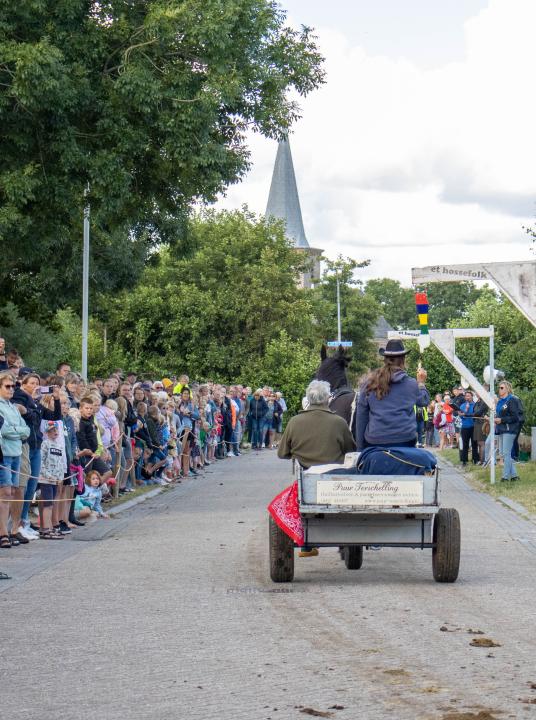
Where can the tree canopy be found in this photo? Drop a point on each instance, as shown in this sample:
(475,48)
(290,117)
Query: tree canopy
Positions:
(215,311)
(359,311)
(146,103)
(447,301)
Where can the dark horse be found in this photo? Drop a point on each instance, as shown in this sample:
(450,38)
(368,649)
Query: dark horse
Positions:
(333,370)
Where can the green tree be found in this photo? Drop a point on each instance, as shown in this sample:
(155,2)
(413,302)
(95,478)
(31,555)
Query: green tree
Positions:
(148,102)
(215,312)
(442,376)
(42,347)
(359,312)
(447,301)
(288,365)
(397,303)
(515,339)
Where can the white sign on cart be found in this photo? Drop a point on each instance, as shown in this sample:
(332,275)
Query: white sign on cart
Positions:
(377,493)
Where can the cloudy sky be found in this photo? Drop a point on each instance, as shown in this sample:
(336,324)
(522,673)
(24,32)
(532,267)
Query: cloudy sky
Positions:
(420,148)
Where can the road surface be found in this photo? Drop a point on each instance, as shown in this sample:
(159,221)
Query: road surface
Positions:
(169,613)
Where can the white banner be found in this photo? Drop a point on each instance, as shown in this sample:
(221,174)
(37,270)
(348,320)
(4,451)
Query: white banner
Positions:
(437,273)
(374,493)
(517,280)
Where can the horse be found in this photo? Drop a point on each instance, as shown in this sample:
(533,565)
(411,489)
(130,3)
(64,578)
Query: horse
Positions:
(333,370)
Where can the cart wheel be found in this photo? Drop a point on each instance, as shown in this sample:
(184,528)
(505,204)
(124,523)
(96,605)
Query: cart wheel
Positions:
(353,557)
(281,554)
(446,553)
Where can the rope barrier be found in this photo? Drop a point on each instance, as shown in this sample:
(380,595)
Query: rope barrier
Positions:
(182,437)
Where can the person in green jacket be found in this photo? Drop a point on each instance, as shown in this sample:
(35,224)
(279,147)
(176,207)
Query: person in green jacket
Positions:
(316,436)
(14,430)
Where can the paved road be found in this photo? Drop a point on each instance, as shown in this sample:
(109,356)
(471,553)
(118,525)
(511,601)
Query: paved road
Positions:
(171,615)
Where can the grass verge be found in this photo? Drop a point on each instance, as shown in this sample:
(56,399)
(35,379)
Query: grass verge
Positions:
(522,491)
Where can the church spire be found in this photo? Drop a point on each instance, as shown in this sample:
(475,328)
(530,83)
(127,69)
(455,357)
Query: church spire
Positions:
(283,201)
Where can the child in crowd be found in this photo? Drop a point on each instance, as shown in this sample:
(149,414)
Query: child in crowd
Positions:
(218,426)
(90,503)
(448,429)
(53,470)
(89,442)
(151,472)
(429,425)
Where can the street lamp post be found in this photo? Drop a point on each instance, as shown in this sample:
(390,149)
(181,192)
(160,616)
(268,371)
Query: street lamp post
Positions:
(492,409)
(85,288)
(339,338)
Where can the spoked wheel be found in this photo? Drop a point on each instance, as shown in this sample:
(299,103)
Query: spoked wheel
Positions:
(447,539)
(281,554)
(353,557)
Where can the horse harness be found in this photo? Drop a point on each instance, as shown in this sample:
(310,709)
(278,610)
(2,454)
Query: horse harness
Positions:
(339,393)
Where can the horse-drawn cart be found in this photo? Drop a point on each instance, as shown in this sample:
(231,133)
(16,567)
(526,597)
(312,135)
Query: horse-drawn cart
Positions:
(342,509)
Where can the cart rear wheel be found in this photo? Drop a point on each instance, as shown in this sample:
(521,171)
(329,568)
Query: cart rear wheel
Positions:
(353,557)
(281,554)
(447,539)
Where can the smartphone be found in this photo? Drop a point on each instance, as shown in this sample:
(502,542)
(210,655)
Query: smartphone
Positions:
(45,389)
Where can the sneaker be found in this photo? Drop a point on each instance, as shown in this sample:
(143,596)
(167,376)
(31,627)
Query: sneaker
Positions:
(230,454)
(27,533)
(375,547)
(76,522)
(207,463)
(63,528)
(193,472)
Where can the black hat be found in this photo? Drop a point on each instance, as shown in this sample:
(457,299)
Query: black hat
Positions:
(394,348)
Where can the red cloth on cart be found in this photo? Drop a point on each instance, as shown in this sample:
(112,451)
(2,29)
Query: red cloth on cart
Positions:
(286,513)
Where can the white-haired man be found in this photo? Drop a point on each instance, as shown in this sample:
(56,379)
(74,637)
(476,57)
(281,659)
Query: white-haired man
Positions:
(316,435)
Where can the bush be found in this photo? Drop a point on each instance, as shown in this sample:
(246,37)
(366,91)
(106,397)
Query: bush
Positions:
(40,347)
(288,366)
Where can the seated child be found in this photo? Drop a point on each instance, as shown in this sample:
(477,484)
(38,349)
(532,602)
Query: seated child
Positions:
(89,503)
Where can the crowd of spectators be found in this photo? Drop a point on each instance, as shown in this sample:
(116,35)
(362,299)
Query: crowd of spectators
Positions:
(68,447)
(460,419)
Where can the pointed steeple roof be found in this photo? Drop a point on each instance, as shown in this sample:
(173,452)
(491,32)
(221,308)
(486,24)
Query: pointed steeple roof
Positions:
(283,201)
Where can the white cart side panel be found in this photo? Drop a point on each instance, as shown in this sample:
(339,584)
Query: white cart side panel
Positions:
(369,530)
(310,494)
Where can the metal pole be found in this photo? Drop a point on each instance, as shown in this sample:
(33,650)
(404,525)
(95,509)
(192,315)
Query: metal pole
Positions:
(339,338)
(85,289)
(492,409)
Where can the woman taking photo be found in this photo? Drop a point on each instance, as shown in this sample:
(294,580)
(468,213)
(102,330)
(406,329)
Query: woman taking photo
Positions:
(387,401)
(508,422)
(29,396)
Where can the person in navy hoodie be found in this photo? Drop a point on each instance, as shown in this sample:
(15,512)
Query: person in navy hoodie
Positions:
(509,418)
(388,397)
(467,414)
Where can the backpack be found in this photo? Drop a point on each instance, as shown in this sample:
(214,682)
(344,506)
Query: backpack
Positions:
(520,411)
